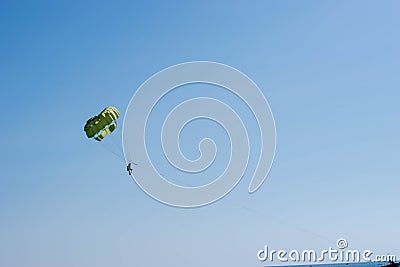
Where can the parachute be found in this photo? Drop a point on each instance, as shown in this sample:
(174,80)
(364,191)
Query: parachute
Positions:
(101,125)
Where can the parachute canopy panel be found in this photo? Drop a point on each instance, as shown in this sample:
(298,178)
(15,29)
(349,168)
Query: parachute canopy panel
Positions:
(101,125)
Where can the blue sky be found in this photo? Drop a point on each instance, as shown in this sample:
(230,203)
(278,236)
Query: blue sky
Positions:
(329,70)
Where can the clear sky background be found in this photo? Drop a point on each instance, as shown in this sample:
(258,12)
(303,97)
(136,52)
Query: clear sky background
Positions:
(329,69)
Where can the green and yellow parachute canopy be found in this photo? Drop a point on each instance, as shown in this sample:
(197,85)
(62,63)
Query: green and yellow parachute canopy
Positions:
(99,126)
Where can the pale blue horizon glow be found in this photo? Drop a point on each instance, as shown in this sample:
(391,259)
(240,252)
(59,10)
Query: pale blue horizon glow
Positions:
(329,70)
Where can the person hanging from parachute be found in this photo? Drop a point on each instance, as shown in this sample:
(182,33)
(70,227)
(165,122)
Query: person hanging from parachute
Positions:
(103,124)
(129,167)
